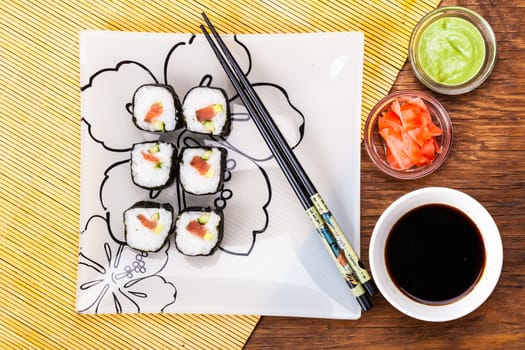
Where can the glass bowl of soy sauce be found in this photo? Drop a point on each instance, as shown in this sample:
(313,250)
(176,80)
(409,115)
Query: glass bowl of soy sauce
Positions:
(436,254)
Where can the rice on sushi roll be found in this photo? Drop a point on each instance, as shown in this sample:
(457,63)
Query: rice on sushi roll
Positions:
(153,164)
(147,225)
(206,110)
(201,169)
(198,231)
(156,108)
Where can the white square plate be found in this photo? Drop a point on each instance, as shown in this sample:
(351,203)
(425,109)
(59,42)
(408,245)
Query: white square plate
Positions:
(271,261)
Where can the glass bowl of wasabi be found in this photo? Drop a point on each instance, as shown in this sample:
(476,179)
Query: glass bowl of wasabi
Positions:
(452,50)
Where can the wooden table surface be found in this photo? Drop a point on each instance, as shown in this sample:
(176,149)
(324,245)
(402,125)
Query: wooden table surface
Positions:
(487,162)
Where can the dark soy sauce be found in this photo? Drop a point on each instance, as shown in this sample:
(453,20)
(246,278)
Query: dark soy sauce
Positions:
(435,254)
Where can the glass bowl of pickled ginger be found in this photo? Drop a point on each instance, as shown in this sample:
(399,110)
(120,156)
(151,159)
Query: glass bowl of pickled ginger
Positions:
(408,134)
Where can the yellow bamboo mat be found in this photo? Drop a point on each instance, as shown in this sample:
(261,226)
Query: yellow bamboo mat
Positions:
(40,155)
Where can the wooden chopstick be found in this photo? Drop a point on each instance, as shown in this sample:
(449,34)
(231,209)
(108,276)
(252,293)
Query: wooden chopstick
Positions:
(293,171)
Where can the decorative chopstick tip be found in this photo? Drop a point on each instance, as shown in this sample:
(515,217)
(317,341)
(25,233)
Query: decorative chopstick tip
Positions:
(205,17)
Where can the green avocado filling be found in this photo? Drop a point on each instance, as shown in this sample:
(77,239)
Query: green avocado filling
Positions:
(154,149)
(208,125)
(206,154)
(159,125)
(203,218)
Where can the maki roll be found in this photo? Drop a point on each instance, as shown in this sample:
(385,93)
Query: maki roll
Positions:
(156,108)
(153,164)
(201,169)
(147,225)
(206,111)
(198,231)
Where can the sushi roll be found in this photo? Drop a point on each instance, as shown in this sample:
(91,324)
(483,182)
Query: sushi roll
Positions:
(153,164)
(147,225)
(156,108)
(198,231)
(206,110)
(201,169)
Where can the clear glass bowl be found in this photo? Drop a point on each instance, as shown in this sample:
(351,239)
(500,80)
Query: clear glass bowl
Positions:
(490,50)
(375,145)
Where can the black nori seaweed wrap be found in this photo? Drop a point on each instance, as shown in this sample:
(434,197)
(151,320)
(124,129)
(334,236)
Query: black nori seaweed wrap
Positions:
(224,155)
(177,106)
(149,204)
(226,129)
(220,228)
(172,170)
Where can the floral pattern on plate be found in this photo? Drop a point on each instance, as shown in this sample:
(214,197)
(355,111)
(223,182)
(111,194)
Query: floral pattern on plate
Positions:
(114,278)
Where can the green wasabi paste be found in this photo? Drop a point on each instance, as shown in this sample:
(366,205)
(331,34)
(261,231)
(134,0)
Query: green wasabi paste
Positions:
(451,51)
